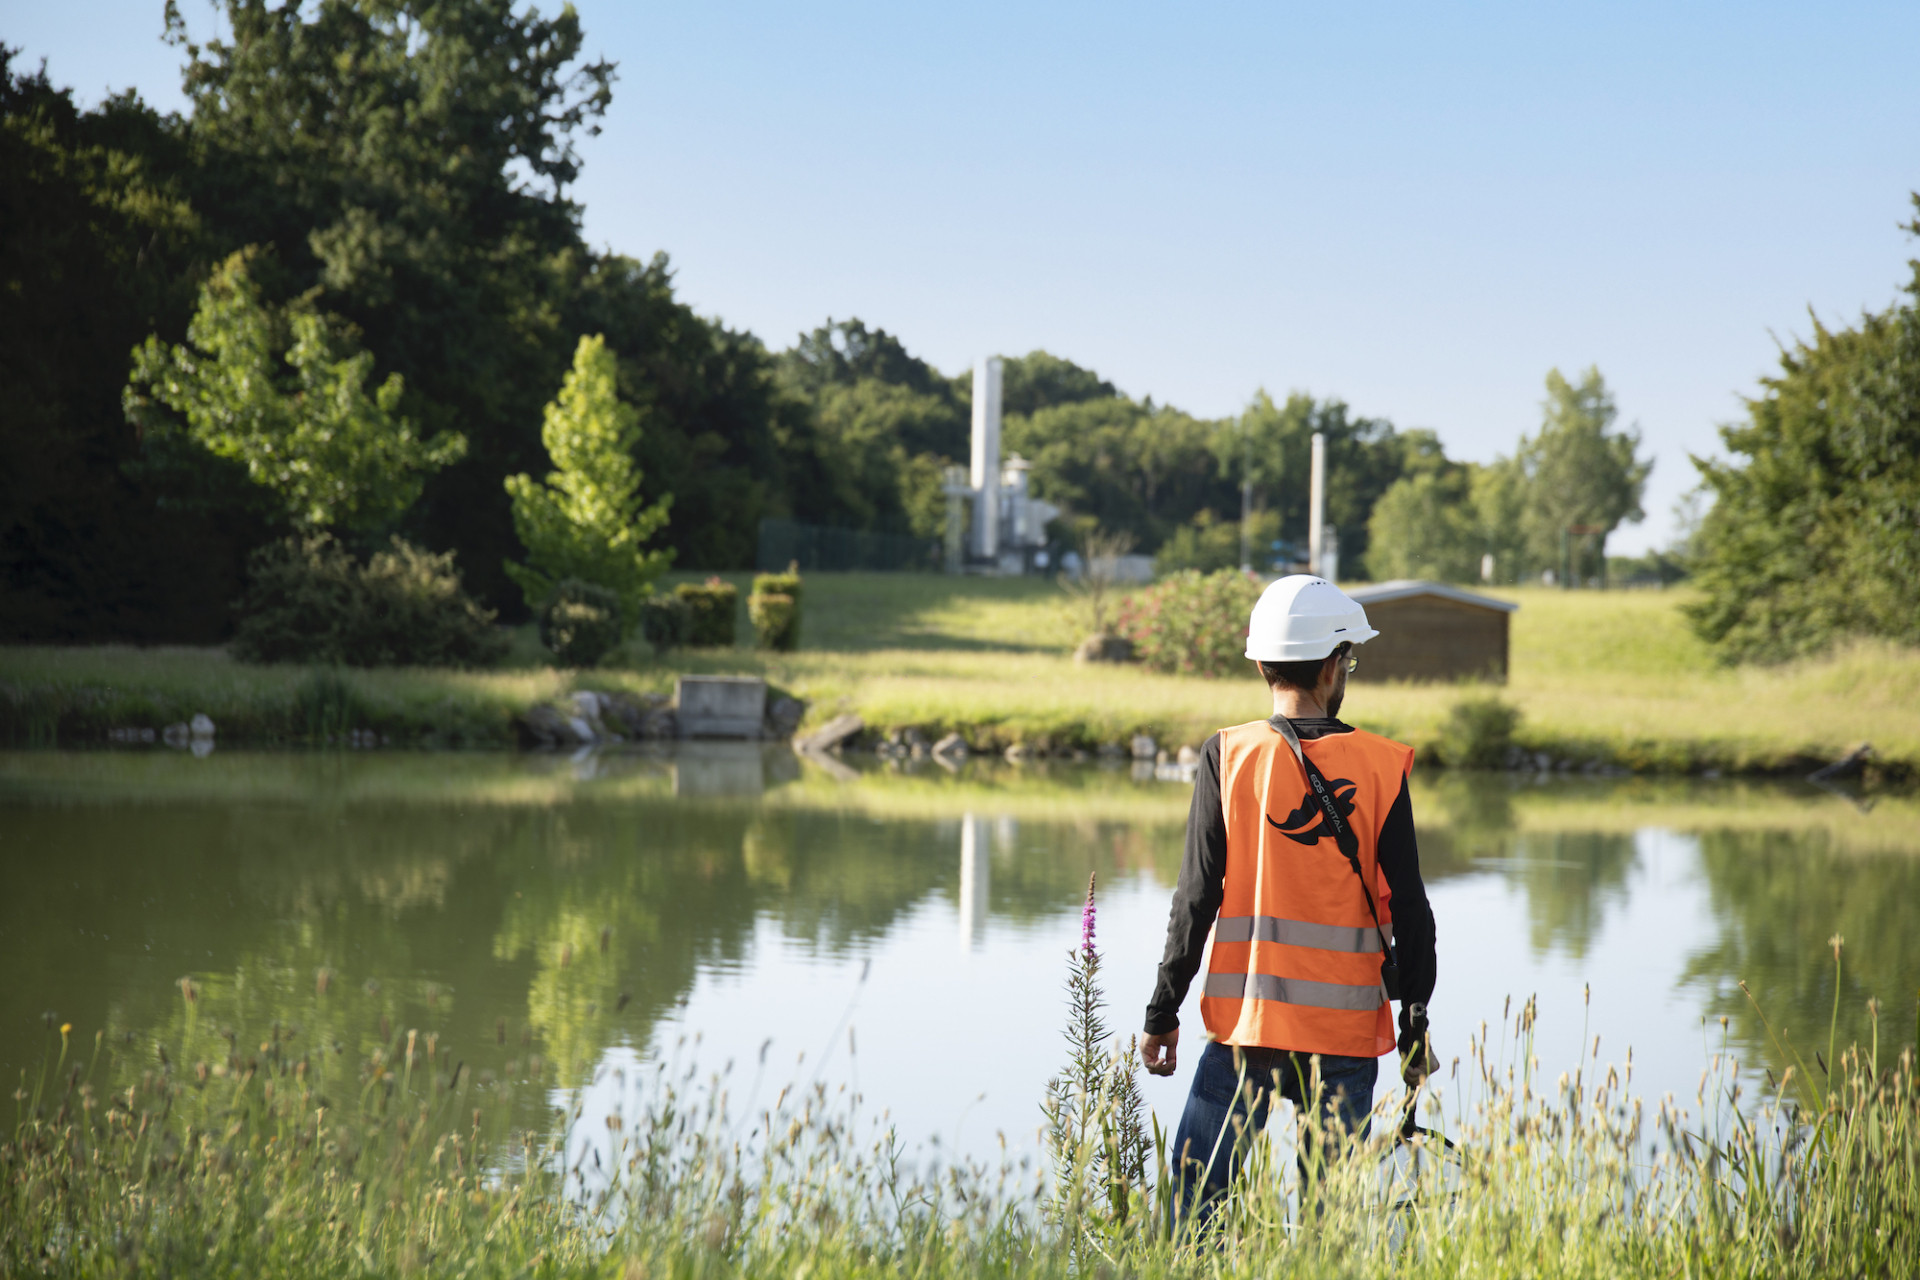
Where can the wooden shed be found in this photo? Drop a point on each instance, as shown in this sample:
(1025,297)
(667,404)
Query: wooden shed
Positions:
(1432,631)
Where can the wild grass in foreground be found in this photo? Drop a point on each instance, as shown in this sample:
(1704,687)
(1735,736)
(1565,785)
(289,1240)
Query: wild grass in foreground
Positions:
(291,1158)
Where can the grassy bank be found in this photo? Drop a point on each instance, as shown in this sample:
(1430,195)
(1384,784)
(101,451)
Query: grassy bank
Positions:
(1611,679)
(279,1151)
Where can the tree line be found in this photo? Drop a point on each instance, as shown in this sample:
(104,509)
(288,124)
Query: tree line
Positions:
(336,293)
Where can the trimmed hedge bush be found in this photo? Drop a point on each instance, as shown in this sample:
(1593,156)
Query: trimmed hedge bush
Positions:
(710,608)
(1190,623)
(580,623)
(776,620)
(779,584)
(663,621)
(774,609)
(309,600)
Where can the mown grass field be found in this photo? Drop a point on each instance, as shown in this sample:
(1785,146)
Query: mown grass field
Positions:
(1611,678)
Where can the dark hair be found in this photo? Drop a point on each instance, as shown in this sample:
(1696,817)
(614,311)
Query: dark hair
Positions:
(1304,675)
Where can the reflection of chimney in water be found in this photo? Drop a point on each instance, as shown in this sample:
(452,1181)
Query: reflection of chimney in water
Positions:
(976,864)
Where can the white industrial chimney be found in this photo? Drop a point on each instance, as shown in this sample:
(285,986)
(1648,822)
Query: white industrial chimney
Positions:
(984,474)
(1317,505)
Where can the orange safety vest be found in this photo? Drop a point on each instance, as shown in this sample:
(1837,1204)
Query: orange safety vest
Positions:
(1296,959)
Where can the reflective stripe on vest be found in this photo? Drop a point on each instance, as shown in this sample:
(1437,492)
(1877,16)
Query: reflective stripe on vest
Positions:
(1296,960)
(1318,995)
(1302,933)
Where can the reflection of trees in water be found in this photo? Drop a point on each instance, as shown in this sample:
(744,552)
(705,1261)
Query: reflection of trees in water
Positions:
(559,929)
(1778,897)
(478,922)
(1461,816)
(1572,879)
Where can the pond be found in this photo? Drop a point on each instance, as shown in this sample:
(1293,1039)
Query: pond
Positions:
(903,932)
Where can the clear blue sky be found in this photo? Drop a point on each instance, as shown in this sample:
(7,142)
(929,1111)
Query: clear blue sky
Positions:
(1415,209)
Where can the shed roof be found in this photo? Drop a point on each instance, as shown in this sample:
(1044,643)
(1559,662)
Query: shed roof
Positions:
(1403,588)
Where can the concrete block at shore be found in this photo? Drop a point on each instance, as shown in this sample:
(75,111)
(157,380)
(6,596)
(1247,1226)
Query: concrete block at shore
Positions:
(720,706)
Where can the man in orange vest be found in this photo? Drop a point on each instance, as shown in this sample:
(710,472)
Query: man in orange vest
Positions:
(1301,859)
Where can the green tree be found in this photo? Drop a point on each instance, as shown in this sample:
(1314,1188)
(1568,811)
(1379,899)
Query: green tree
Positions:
(884,424)
(100,539)
(1039,380)
(333,455)
(876,439)
(846,352)
(1424,527)
(1499,495)
(589,521)
(1579,470)
(1272,445)
(1815,528)
(414,159)
(1209,544)
(726,437)
(1133,466)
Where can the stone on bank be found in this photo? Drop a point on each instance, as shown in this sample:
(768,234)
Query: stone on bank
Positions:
(704,707)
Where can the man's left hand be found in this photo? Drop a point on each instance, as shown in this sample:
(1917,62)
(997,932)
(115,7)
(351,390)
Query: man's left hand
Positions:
(1416,1047)
(1160,1054)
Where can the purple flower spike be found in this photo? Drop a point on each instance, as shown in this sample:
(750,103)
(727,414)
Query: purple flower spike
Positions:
(1086,920)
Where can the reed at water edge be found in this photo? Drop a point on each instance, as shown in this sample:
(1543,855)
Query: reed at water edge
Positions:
(301,1159)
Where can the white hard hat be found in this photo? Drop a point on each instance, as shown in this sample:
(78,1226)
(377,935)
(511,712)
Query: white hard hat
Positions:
(1301,617)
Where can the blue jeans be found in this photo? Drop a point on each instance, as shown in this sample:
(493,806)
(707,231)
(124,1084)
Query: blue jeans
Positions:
(1232,1093)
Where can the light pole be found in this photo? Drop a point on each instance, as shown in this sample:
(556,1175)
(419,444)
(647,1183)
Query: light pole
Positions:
(1246,497)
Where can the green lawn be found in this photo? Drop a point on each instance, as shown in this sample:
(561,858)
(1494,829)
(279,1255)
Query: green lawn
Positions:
(1611,677)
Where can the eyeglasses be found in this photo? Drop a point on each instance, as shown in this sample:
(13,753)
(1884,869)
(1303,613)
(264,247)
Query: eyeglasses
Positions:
(1351,664)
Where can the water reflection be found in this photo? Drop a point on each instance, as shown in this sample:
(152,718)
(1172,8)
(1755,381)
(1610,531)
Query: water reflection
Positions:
(536,916)
(1782,898)
(976,880)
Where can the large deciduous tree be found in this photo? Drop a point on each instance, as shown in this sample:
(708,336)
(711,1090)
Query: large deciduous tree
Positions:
(1424,525)
(1814,533)
(1578,470)
(1040,380)
(1136,468)
(885,423)
(99,246)
(411,158)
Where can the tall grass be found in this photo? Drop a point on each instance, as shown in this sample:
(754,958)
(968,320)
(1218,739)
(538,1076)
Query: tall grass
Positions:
(285,1156)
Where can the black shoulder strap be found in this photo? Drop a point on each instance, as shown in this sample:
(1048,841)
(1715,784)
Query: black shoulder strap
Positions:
(1342,832)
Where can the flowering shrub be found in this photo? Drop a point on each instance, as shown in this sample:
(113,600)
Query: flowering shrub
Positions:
(1096,1134)
(1191,623)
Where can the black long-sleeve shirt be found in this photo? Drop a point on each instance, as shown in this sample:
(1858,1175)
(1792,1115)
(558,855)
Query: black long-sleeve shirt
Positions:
(1202,886)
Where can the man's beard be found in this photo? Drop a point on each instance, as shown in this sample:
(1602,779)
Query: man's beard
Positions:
(1333,703)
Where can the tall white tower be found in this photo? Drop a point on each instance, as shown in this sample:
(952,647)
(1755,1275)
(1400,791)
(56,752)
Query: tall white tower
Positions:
(1317,505)
(984,474)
